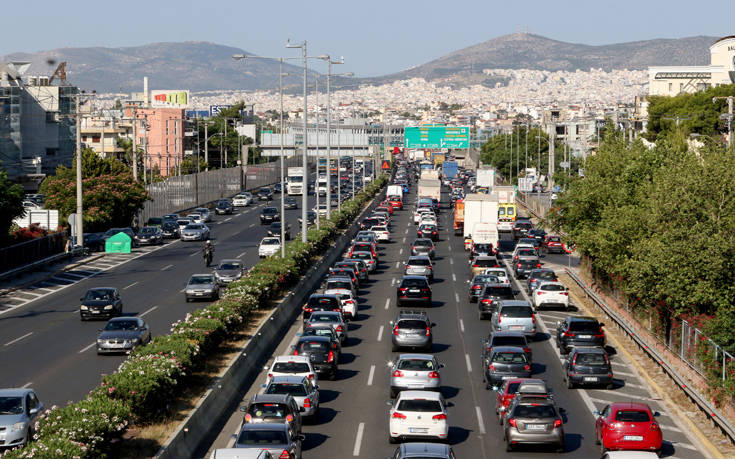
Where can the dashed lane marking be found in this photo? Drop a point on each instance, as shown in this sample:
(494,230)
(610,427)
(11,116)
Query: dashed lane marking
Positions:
(18,339)
(461,325)
(358,439)
(469,365)
(26,385)
(387,303)
(454,278)
(456,297)
(479,419)
(370,375)
(241,255)
(166,267)
(149,311)
(380,333)
(127,287)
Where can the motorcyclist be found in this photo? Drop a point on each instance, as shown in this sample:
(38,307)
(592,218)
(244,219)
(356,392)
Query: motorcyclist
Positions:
(208,251)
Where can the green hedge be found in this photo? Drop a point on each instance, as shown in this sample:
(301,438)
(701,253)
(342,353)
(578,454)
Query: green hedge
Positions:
(144,384)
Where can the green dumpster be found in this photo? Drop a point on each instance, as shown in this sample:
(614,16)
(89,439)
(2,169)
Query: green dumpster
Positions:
(119,243)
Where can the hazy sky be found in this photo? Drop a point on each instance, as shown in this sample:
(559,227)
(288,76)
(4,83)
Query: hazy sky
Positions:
(376,37)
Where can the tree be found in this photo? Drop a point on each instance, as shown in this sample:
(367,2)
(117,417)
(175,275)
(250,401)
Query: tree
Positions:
(11,203)
(189,165)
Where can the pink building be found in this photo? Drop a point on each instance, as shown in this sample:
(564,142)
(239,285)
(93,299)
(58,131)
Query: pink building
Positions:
(160,133)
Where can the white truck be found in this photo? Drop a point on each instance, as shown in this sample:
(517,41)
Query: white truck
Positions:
(395,190)
(430,189)
(295,181)
(321,185)
(480,208)
(506,194)
(428,174)
(485,178)
(485,233)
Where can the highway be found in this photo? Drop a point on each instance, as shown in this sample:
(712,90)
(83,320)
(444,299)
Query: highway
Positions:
(45,345)
(354,414)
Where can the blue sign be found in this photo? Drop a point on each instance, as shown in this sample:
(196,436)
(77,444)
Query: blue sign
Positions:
(215,109)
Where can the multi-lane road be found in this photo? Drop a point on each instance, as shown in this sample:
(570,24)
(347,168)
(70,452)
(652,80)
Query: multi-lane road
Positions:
(354,415)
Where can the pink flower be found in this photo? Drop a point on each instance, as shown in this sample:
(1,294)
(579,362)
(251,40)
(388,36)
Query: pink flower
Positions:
(111,390)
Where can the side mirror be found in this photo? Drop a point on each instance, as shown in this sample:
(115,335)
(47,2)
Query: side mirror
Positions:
(389,403)
(441,365)
(496,388)
(266,367)
(263,385)
(596,412)
(301,437)
(602,324)
(449,404)
(656,414)
(33,411)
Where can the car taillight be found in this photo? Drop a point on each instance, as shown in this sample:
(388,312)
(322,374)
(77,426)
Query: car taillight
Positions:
(487,301)
(526,349)
(491,367)
(311,376)
(270,375)
(516,257)
(398,416)
(654,426)
(397,374)
(475,265)
(565,293)
(330,356)
(527,368)
(533,318)
(538,265)
(285,455)
(306,309)
(428,331)
(402,289)
(433,374)
(519,265)
(557,423)
(339,328)
(568,335)
(289,418)
(476,287)
(295,352)
(512,422)
(248,417)
(425,290)
(500,318)
(307,402)
(439,417)
(408,266)
(574,360)
(601,334)
(540,292)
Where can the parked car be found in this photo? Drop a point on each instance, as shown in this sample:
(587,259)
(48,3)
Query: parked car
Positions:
(413,289)
(100,302)
(415,372)
(224,207)
(229,270)
(275,438)
(635,427)
(588,366)
(195,232)
(149,235)
(123,334)
(579,331)
(201,286)
(418,414)
(19,410)
(94,242)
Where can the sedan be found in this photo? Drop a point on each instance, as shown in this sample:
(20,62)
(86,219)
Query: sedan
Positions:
(19,409)
(628,426)
(242,200)
(228,271)
(290,203)
(415,372)
(310,217)
(269,246)
(275,230)
(274,438)
(270,215)
(423,246)
(102,302)
(224,206)
(418,414)
(413,289)
(149,235)
(201,286)
(170,230)
(195,232)
(123,334)
(265,194)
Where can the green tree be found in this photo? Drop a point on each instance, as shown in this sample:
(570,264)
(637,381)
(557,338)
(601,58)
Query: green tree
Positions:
(189,165)
(11,203)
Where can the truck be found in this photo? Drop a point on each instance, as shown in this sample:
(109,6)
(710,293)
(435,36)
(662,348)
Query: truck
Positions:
(458,217)
(449,169)
(506,207)
(485,233)
(480,208)
(485,177)
(295,181)
(429,188)
(429,174)
(395,190)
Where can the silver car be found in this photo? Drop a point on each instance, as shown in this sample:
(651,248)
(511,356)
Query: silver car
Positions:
(420,265)
(332,318)
(368,258)
(515,315)
(273,437)
(123,334)
(301,388)
(195,232)
(205,213)
(201,286)
(228,271)
(415,372)
(183,223)
(18,411)
(411,329)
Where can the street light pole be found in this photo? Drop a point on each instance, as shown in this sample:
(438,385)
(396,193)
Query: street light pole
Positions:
(304,195)
(80,231)
(283,188)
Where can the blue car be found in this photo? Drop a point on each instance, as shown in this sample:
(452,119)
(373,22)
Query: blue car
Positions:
(405,188)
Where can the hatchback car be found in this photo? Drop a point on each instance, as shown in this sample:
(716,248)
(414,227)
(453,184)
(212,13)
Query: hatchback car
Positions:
(269,215)
(487,302)
(195,232)
(19,409)
(506,338)
(510,388)
(229,270)
(588,366)
(428,230)
(505,362)
(423,246)
(265,194)
(415,372)
(413,289)
(291,365)
(423,451)
(579,331)
(480,264)
(382,233)
(320,302)
(521,228)
(418,414)
(205,213)
(272,409)
(224,207)
(523,265)
(275,438)
(149,235)
(420,265)
(550,295)
(347,300)
(477,284)
(628,426)
(302,389)
(201,286)
(269,246)
(411,329)
(515,315)
(123,334)
(552,244)
(534,421)
(332,318)
(500,273)
(322,353)
(290,203)
(100,302)
(539,275)
(366,257)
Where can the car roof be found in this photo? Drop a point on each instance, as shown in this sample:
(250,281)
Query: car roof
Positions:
(270,398)
(589,350)
(288,379)
(291,358)
(409,314)
(322,295)
(422,449)
(331,313)
(415,357)
(422,257)
(617,406)
(124,319)
(515,303)
(507,333)
(15,392)
(230,260)
(425,394)
(101,288)
(541,270)
(581,319)
(314,338)
(202,274)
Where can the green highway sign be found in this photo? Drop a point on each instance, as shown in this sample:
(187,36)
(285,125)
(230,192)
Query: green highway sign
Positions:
(436,137)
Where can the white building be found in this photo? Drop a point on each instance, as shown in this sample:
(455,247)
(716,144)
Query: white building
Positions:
(673,80)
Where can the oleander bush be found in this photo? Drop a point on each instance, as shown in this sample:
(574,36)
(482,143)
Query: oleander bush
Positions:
(152,376)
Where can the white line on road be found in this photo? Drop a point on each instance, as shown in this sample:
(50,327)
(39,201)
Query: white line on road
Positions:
(450,247)
(479,419)
(461,325)
(400,252)
(228,219)
(380,332)
(241,255)
(387,303)
(251,225)
(469,365)
(125,288)
(195,253)
(18,339)
(404,240)
(454,278)
(166,267)
(456,297)
(358,439)
(370,375)
(28,384)
(150,310)
(451,261)
(87,348)
(398,263)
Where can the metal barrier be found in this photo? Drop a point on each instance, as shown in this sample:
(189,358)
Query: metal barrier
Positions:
(19,255)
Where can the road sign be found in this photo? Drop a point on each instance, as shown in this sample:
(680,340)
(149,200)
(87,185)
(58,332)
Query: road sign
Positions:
(436,137)
(386,165)
(215,109)
(72,219)
(564,164)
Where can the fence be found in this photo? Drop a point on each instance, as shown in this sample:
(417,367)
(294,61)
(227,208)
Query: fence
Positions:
(187,191)
(539,204)
(37,249)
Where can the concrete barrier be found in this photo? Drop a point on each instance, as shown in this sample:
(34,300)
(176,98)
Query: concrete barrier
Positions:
(227,390)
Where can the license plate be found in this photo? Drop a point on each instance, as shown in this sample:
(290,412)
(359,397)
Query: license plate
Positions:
(418,430)
(585,336)
(416,386)
(633,437)
(590,379)
(414,290)
(516,327)
(535,427)
(95,312)
(199,294)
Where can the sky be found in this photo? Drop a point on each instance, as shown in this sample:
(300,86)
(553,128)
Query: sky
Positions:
(376,37)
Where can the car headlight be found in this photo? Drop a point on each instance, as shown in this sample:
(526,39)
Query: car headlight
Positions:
(83,307)
(100,341)
(18,427)
(109,306)
(189,291)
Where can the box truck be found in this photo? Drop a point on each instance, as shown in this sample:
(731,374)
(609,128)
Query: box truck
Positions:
(479,208)
(485,178)
(295,181)
(506,207)
(458,217)
(430,189)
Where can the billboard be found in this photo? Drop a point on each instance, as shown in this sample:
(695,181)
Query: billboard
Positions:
(436,137)
(175,98)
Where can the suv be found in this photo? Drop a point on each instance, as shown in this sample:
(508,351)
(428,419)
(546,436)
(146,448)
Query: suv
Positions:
(423,451)
(321,352)
(534,420)
(588,366)
(415,372)
(487,302)
(515,315)
(321,302)
(538,275)
(482,249)
(411,329)
(420,265)
(273,409)
(579,331)
(521,228)
(413,289)
(479,264)
(523,266)
(552,244)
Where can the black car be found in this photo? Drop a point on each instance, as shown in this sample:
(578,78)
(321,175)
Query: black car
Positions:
(369,223)
(328,331)
(588,366)
(277,188)
(275,230)
(149,235)
(269,215)
(413,289)
(265,194)
(290,203)
(321,353)
(522,267)
(100,302)
(579,331)
(170,230)
(224,206)
(321,302)
(478,283)
(310,217)
(94,242)
(487,303)
(538,234)
(361,271)
(521,228)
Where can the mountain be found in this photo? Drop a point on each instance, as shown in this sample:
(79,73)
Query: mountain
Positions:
(197,66)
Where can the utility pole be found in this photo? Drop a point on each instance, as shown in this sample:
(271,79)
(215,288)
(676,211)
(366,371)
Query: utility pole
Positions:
(80,231)
(552,142)
(135,145)
(510,164)
(206,145)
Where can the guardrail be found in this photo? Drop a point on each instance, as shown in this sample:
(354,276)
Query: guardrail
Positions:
(657,357)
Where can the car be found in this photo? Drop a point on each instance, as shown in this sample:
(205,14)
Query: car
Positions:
(320,302)
(149,235)
(332,318)
(274,229)
(301,388)
(290,202)
(347,300)
(205,213)
(480,264)
(538,234)
(201,286)
(366,236)
(588,366)
(423,451)
(505,362)
(100,302)
(366,257)
(195,217)
(364,247)
(344,277)
(524,250)
(224,207)
(428,230)
(275,438)
(382,233)
(19,410)
(242,199)
(477,284)
(369,223)
(269,215)
(506,338)
(579,331)
(272,409)
(411,329)
(94,242)
(482,249)
(428,218)
(327,331)
(170,230)
(265,194)
(122,334)
(533,421)
(550,294)
(320,209)
(269,246)
(417,214)
(229,270)
(310,217)
(413,289)
(423,246)
(277,188)
(418,414)
(321,351)
(629,455)
(628,426)
(523,265)
(507,391)
(420,265)
(359,266)
(487,302)
(195,232)
(521,228)
(530,241)
(539,275)
(183,223)
(291,365)
(385,207)
(514,315)
(552,244)
(500,273)
(415,372)
(113,231)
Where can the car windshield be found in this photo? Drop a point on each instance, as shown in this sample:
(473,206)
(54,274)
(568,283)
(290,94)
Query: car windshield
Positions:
(420,405)
(553,239)
(270,211)
(268,410)
(99,295)
(527,253)
(588,358)
(319,332)
(323,318)
(199,280)
(419,262)
(536,411)
(193,226)
(483,247)
(412,324)
(485,262)
(147,230)
(331,285)
(497,272)
(501,340)
(413,283)
(427,228)
(121,325)
(510,357)
(264,191)
(584,326)
(168,226)
(516,311)
(361,255)
(545,275)
(223,203)
(291,367)
(262,437)
(183,222)
(422,243)
(416,365)
(553,288)
(295,389)
(323,301)
(307,346)
(632,416)
(11,405)
(270,241)
(228,266)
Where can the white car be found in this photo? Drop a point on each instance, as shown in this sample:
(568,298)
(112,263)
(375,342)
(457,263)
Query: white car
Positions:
(428,218)
(291,365)
(269,246)
(349,303)
(520,247)
(418,414)
(550,294)
(204,212)
(321,210)
(419,212)
(382,233)
(242,200)
(500,273)
(196,218)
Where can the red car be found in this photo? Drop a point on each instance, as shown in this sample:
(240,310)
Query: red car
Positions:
(628,426)
(514,386)
(364,247)
(552,244)
(396,202)
(385,207)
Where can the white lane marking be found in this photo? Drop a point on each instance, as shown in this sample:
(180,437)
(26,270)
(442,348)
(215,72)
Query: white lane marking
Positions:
(479,419)
(166,267)
(28,384)
(685,445)
(79,276)
(125,288)
(387,303)
(469,365)
(406,230)
(451,261)
(461,325)
(241,255)
(150,310)
(398,264)
(370,375)
(380,332)
(182,290)
(358,439)
(87,348)
(18,339)
(456,297)
(228,219)
(400,252)
(404,240)
(195,253)
(408,223)
(668,427)
(251,225)
(454,278)
(450,247)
